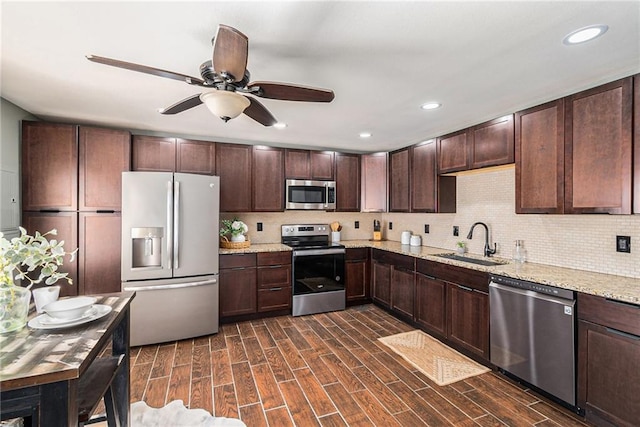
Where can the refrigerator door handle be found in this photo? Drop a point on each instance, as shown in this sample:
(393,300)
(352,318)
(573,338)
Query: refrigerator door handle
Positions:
(169,224)
(176,225)
(174,286)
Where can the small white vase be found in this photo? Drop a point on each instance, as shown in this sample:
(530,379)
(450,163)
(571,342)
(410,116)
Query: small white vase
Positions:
(238,238)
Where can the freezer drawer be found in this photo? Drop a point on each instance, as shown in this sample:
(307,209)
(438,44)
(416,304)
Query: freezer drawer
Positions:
(170,310)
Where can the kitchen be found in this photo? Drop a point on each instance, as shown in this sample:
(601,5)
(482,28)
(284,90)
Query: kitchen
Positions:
(585,242)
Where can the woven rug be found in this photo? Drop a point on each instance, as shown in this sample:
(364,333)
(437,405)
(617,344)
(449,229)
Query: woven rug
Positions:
(441,364)
(175,414)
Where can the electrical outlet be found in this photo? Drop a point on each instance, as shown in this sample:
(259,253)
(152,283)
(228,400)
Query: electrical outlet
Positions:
(259,226)
(357,224)
(623,244)
(390,225)
(426,229)
(456,230)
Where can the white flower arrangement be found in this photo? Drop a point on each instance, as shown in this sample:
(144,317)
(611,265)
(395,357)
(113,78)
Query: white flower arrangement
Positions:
(233,227)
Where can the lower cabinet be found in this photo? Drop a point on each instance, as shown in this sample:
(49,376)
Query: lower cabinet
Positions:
(381,283)
(402,291)
(274,281)
(609,361)
(238,291)
(393,282)
(430,307)
(356,276)
(468,318)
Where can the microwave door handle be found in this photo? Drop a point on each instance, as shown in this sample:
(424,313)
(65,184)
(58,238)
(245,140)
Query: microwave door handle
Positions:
(326,194)
(169,223)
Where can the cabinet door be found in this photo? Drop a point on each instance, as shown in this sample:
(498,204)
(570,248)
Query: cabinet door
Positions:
(151,153)
(402,291)
(598,149)
(356,280)
(492,143)
(322,165)
(99,254)
(381,283)
(430,307)
(608,374)
(424,177)
(636,143)
(297,164)
(268,179)
(49,166)
(195,157)
(66,225)
(453,152)
(468,319)
(347,182)
(273,299)
(399,181)
(238,294)
(374,182)
(104,155)
(233,163)
(539,154)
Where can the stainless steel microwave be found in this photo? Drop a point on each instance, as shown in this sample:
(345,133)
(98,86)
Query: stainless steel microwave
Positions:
(303,194)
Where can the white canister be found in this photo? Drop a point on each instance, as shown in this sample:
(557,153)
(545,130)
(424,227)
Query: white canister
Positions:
(415,240)
(405,237)
(335,236)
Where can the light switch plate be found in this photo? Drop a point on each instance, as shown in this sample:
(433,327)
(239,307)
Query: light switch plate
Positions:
(623,244)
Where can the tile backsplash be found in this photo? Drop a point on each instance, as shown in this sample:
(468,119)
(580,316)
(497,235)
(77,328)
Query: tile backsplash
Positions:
(585,242)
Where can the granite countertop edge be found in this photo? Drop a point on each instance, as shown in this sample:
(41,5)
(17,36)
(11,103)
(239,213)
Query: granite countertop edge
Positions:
(620,288)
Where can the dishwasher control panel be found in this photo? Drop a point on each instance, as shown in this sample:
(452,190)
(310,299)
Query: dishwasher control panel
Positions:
(532,286)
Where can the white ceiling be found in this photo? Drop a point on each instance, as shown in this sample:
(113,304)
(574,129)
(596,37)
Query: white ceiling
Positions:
(383,60)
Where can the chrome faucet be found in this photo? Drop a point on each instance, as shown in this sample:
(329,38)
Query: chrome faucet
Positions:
(487,249)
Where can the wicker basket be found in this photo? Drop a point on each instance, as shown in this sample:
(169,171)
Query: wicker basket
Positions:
(226,244)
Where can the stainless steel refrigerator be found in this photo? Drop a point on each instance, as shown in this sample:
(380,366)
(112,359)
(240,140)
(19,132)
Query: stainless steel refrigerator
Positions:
(170,254)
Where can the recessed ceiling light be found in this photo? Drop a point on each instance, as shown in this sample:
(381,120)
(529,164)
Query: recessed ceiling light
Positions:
(280,125)
(365,134)
(585,34)
(430,105)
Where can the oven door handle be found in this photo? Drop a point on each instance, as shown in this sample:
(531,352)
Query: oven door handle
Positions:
(310,252)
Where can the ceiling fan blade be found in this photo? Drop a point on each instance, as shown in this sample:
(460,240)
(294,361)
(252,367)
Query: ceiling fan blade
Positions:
(259,113)
(146,69)
(185,104)
(290,92)
(230,50)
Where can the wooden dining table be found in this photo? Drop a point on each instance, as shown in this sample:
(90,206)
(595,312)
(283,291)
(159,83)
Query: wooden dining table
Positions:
(54,377)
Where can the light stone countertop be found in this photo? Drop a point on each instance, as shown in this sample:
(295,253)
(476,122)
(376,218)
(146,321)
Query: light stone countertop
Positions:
(620,288)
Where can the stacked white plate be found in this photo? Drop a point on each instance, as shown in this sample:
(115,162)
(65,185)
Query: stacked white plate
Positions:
(69,312)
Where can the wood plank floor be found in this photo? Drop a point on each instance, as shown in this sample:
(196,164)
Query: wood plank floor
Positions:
(328,370)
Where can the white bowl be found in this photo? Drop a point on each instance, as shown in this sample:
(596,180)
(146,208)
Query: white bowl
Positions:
(69,308)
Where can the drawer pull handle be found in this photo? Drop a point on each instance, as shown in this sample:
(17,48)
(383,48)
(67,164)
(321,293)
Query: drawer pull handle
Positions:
(623,334)
(275,289)
(466,288)
(428,276)
(626,304)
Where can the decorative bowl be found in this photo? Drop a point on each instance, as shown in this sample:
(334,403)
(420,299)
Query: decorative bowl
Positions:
(69,308)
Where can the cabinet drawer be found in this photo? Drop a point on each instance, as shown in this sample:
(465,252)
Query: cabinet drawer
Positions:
(356,254)
(614,314)
(274,258)
(274,299)
(237,260)
(463,276)
(274,276)
(397,260)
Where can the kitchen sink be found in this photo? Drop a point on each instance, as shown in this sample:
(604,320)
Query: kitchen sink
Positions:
(462,258)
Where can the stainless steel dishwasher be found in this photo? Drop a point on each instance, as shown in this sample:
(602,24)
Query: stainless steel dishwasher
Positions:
(532,329)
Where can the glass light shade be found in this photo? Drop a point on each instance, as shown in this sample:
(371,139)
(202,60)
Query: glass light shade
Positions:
(225,104)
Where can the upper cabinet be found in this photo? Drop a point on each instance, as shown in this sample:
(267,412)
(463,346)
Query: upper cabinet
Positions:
(491,143)
(305,164)
(152,153)
(429,192)
(399,192)
(268,179)
(540,159)
(233,163)
(453,152)
(374,182)
(347,182)
(49,166)
(636,139)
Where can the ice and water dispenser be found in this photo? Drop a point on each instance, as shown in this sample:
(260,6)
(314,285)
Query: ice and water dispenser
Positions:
(147,247)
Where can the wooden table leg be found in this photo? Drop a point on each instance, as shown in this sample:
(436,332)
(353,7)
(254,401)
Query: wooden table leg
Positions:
(58,405)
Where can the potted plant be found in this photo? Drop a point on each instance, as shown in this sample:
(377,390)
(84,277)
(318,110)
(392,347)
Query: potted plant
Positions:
(20,257)
(236,230)
(461,247)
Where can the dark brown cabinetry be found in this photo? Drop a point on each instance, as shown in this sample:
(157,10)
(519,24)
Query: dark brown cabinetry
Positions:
(380,281)
(399,191)
(453,152)
(356,275)
(152,153)
(636,143)
(539,154)
(238,285)
(305,164)
(99,256)
(233,164)
(347,172)
(598,149)
(393,282)
(402,291)
(274,281)
(374,182)
(468,318)
(430,306)
(268,179)
(492,143)
(608,360)
(49,166)
(429,191)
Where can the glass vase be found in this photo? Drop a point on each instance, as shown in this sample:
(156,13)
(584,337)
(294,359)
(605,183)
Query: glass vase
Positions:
(14,308)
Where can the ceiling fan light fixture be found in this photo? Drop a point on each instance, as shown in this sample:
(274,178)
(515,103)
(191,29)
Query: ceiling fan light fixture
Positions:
(585,34)
(225,104)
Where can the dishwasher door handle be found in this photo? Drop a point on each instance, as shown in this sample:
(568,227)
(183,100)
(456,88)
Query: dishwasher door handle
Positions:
(531,294)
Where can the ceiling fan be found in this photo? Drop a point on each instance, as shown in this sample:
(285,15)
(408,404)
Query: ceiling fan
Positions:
(228,78)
